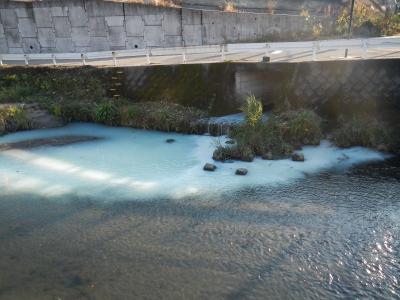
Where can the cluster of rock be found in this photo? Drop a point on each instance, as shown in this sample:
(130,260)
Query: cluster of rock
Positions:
(211,168)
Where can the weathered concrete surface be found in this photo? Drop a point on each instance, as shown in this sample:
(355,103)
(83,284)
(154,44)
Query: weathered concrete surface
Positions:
(126,26)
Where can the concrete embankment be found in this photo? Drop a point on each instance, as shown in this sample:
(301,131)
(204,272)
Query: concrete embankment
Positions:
(332,89)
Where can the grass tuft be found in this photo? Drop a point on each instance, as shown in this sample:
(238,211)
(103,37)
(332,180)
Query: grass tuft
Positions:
(365,131)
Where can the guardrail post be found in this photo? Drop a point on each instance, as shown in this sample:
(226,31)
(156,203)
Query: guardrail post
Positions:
(148,56)
(365,48)
(53,57)
(26,60)
(184,55)
(83,59)
(267,46)
(114,58)
(223,52)
(314,50)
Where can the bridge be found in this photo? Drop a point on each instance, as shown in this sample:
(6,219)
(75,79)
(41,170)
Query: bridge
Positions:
(324,50)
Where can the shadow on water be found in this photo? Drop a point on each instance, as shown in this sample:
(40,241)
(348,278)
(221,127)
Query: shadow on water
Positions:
(332,235)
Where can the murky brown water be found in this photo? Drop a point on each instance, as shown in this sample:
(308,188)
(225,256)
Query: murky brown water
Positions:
(331,235)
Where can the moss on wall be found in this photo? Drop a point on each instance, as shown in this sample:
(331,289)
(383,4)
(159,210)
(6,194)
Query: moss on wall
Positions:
(208,86)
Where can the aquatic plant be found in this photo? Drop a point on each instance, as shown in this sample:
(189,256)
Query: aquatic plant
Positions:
(279,135)
(364,130)
(161,116)
(73,111)
(105,112)
(235,152)
(300,127)
(13,118)
(253,110)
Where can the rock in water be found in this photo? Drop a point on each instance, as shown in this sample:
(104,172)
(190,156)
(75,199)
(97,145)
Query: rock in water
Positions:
(170,141)
(268,156)
(230,142)
(241,171)
(209,167)
(382,148)
(297,157)
(219,155)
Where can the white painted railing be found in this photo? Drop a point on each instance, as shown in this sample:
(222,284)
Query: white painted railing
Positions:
(220,50)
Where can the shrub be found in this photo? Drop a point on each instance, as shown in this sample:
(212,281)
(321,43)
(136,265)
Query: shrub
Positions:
(13,118)
(280,134)
(236,152)
(301,127)
(132,116)
(64,85)
(160,116)
(390,25)
(73,111)
(363,131)
(105,112)
(253,110)
(368,22)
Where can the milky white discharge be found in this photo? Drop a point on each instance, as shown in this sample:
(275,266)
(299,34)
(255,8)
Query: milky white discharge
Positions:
(138,164)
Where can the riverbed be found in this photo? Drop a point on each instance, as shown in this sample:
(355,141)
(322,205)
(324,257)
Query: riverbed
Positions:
(129,216)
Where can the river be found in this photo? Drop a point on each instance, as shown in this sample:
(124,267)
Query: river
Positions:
(129,216)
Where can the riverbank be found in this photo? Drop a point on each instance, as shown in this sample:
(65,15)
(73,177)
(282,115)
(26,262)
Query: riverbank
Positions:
(45,98)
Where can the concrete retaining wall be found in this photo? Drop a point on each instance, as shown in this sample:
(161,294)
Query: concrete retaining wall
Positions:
(95,25)
(286,6)
(333,88)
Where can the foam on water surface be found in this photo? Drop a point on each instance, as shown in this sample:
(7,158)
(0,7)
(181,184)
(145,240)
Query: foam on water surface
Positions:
(138,164)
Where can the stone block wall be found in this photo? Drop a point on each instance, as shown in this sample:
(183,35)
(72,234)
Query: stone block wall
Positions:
(94,25)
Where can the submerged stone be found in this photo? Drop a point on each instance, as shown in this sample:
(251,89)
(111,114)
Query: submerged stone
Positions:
(209,167)
(170,141)
(268,156)
(297,157)
(47,142)
(74,281)
(382,148)
(241,171)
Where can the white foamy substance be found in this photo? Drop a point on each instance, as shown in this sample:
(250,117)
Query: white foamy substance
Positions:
(138,164)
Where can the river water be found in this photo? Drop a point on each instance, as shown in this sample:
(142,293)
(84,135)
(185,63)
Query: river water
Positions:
(132,217)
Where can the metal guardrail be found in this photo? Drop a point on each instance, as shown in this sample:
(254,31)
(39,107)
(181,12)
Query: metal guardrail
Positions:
(221,50)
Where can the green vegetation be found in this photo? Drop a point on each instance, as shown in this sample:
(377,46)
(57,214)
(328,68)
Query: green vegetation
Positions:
(285,131)
(47,86)
(160,116)
(368,22)
(279,135)
(253,111)
(13,118)
(365,131)
(80,96)
(106,112)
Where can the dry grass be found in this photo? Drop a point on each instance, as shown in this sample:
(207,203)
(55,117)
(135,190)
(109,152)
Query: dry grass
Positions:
(164,3)
(230,7)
